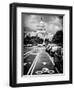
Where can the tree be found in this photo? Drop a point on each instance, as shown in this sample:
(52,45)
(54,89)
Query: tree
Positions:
(58,38)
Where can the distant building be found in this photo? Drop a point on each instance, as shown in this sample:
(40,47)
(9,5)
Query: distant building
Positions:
(40,32)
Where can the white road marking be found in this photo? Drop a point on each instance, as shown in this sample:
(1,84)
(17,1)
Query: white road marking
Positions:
(33,63)
(36,59)
(51,59)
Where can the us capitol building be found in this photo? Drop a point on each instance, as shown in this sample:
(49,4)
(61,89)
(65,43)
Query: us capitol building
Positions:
(41,31)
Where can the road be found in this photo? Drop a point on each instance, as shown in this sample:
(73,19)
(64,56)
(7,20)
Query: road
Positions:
(38,61)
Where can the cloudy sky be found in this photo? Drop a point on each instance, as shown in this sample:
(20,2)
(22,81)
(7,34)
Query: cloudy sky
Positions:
(52,23)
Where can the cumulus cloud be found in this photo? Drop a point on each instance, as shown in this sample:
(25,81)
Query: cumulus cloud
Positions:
(52,22)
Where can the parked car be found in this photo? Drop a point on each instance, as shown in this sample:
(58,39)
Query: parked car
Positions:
(56,52)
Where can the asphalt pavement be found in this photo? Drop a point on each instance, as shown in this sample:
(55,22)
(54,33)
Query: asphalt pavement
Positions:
(38,60)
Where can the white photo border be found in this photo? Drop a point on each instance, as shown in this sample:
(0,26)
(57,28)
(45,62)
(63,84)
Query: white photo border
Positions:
(46,78)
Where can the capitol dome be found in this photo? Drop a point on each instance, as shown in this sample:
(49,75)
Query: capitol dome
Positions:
(42,25)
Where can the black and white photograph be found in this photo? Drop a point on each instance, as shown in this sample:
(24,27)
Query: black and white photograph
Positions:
(42,44)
